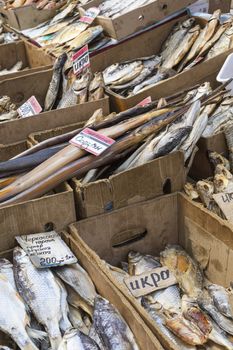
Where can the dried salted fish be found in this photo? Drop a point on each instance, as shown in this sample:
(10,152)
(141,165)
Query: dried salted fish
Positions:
(139,263)
(228,131)
(75,339)
(221,299)
(205,190)
(223,44)
(191,191)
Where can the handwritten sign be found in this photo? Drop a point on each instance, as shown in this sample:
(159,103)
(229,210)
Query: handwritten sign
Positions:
(90,15)
(92,141)
(225,202)
(81,60)
(46,249)
(29,108)
(145,102)
(150,281)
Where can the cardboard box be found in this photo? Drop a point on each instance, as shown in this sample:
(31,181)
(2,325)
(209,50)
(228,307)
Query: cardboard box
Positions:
(223,5)
(151,225)
(25,17)
(21,89)
(147,44)
(143,335)
(55,210)
(137,19)
(33,59)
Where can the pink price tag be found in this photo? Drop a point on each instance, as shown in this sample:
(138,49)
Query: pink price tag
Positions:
(92,141)
(29,108)
(81,60)
(145,102)
(90,15)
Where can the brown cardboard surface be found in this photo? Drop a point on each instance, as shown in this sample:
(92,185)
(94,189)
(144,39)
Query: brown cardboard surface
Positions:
(137,19)
(171,219)
(26,16)
(33,58)
(21,89)
(162,175)
(223,5)
(55,210)
(147,44)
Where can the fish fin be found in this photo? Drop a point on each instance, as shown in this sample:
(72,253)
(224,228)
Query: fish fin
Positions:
(36,334)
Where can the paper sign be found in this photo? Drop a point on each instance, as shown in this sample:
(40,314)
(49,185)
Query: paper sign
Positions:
(200,6)
(30,108)
(145,102)
(150,281)
(225,202)
(46,249)
(92,141)
(90,15)
(81,60)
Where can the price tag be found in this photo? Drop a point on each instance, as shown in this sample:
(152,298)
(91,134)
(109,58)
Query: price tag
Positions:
(90,15)
(225,202)
(46,249)
(29,108)
(81,60)
(145,102)
(150,281)
(92,141)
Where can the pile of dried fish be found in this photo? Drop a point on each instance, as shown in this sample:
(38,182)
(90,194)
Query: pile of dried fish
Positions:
(67,33)
(140,133)
(115,8)
(67,90)
(7,37)
(8,110)
(194,312)
(187,45)
(39,4)
(57,308)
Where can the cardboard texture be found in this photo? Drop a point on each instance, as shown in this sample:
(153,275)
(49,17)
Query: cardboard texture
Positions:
(53,211)
(25,17)
(223,5)
(22,88)
(147,44)
(33,59)
(171,219)
(137,19)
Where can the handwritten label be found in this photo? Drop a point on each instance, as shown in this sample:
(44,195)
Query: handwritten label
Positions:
(46,249)
(225,202)
(90,15)
(92,141)
(145,102)
(81,60)
(29,108)
(150,281)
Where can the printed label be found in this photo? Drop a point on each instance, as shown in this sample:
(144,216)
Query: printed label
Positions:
(46,249)
(90,15)
(81,60)
(145,102)
(92,141)
(29,108)
(150,281)
(225,202)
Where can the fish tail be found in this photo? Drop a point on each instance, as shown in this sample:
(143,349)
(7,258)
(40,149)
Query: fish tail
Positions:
(36,334)
(55,342)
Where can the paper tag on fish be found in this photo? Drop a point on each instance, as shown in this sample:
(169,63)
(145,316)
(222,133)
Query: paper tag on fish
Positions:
(225,202)
(81,60)
(46,249)
(29,108)
(150,281)
(92,141)
(90,15)
(145,102)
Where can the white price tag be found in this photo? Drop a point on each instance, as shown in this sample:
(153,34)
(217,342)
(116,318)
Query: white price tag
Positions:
(92,141)
(46,249)
(225,202)
(81,60)
(90,15)
(29,108)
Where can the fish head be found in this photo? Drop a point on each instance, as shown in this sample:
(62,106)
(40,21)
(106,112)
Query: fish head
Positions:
(191,191)
(205,88)
(221,169)
(220,183)
(19,256)
(168,257)
(188,23)
(216,158)
(5,264)
(205,188)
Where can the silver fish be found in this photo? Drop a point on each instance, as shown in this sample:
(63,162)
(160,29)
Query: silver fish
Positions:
(221,299)
(74,339)
(111,327)
(93,334)
(218,336)
(117,71)
(76,319)
(6,269)
(223,44)
(155,79)
(139,263)
(39,289)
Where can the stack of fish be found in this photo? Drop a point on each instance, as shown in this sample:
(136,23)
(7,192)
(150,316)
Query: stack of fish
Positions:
(67,90)
(194,312)
(40,4)
(115,8)
(187,45)
(7,37)
(57,309)
(66,33)
(8,110)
